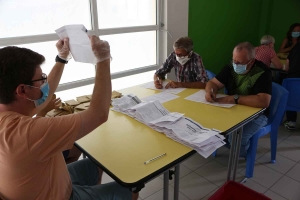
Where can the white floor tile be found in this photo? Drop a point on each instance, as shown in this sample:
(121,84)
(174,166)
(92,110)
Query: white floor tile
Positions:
(265,176)
(106,178)
(287,188)
(159,195)
(195,187)
(264,142)
(196,161)
(151,187)
(215,173)
(255,186)
(274,196)
(281,165)
(210,194)
(224,158)
(183,172)
(294,173)
(289,151)
(293,139)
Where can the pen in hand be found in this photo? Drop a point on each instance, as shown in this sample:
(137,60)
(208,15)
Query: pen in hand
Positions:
(155,158)
(213,94)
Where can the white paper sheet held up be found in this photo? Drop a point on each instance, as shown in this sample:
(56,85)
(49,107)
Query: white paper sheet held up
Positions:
(151,85)
(161,97)
(79,42)
(200,97)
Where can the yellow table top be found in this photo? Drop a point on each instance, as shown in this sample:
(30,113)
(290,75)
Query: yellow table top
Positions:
(122,144)
(282,57)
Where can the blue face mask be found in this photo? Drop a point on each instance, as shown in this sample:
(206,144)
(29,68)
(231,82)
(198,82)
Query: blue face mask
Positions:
(239,69)
(45,90)
(295,34)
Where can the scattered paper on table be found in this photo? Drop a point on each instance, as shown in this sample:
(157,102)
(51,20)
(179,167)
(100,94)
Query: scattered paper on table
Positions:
(79,42)
(151,85)
(200,97)
(161,97)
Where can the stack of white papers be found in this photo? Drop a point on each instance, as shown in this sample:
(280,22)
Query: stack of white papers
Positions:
(174,125)
(200,97)
(151,85)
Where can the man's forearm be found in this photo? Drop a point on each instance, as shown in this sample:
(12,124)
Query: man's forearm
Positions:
(199,85)
(97,113)
(254,101)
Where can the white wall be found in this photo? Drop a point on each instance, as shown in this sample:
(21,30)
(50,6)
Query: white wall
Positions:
(176,13)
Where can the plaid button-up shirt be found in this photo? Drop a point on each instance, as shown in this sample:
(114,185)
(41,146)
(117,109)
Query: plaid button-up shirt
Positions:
(191,71)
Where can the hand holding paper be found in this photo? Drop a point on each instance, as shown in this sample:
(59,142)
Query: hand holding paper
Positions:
(63,49)
(80,44)
(100,48)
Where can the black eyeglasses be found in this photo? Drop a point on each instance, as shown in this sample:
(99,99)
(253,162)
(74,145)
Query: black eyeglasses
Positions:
(43,79)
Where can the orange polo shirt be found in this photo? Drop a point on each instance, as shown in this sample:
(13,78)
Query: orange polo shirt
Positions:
(31,161)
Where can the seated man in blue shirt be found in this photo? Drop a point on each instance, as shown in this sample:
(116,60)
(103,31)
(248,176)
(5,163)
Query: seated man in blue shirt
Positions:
(188,65)
(248,82)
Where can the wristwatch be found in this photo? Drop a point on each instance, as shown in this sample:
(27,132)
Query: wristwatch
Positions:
(58,59)
(236,98)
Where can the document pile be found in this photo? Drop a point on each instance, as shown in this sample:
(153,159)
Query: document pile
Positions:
(174,125)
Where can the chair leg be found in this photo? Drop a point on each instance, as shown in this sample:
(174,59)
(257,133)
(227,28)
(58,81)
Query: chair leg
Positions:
(273,138)
(251,155)
(214,154)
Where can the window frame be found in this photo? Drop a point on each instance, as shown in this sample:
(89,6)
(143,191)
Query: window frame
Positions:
(20,40)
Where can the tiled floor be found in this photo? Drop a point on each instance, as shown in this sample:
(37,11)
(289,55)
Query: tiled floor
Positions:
(200,177)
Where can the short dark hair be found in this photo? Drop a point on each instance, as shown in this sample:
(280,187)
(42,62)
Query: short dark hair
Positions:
(17,66)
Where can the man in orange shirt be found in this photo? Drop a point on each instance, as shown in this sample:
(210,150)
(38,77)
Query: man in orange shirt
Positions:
(31,162)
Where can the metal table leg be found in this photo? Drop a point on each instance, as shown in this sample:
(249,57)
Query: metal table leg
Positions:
(176,182)
(237,151)
(166,185)
(231,155)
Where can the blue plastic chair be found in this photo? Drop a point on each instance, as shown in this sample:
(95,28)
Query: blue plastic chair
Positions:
(210,74)
(276,111)
(293,86)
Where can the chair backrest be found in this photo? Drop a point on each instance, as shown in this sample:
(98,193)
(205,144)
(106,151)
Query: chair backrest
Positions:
(210,74)
(293,86)
(277,105)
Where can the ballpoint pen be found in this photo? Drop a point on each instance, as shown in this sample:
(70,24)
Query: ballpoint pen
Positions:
(155,158)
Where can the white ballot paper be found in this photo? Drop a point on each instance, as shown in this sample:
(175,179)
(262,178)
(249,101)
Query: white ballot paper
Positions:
(174,125)
(200,97)
(79,42)
(161,97)
(151,85)
(125,102)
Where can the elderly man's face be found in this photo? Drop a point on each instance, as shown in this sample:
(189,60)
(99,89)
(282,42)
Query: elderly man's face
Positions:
(180,52)
(240,57)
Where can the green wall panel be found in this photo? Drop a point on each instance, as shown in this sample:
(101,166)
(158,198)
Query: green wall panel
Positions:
(216,26)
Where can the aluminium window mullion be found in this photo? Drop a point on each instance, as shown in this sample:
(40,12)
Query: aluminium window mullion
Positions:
(88,81)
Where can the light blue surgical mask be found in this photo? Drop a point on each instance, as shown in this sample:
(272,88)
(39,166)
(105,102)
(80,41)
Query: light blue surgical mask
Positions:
(295,34)
(45,90)
(239,68)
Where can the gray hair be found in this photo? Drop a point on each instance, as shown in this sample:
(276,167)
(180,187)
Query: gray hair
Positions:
(184,43)
(248,46)
(267,39)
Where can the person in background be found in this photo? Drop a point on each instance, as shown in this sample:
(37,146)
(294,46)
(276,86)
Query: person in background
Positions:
(188,65)
(248,82)
(292,37)
(266,54)
(70,155)
(293,66)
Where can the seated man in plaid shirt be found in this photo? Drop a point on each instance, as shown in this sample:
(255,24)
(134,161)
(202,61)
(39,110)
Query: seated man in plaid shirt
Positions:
(189,69)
